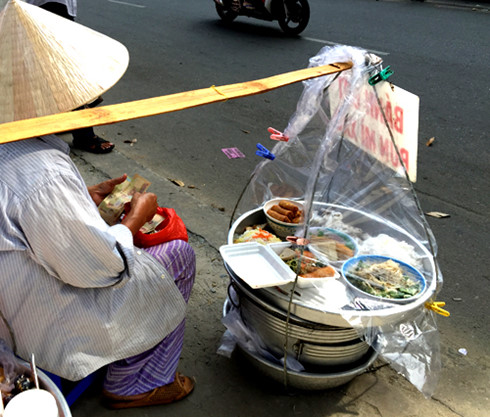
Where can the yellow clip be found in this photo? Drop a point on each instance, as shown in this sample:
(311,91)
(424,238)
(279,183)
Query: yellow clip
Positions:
(219,92)
(436,307)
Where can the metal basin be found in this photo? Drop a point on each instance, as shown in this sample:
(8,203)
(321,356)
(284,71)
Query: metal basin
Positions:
(310,381)
(309,343)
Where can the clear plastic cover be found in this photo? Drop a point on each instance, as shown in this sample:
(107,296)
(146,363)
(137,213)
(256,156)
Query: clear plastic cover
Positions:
(350,162)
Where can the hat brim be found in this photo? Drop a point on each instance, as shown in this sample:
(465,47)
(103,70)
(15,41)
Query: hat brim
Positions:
(50,64)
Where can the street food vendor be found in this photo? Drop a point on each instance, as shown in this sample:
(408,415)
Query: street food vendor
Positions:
(75,291)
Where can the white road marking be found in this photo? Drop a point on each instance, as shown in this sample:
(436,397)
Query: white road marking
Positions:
(334,43)
(127,4)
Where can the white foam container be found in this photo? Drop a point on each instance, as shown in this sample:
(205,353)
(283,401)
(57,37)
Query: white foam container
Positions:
(256,264)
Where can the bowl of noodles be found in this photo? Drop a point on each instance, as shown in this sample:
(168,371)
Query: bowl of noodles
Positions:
(383,278)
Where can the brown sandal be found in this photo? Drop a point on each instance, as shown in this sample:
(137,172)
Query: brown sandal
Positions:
(180,388)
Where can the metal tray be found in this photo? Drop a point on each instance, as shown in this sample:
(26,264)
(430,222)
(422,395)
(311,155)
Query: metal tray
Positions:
(310,304)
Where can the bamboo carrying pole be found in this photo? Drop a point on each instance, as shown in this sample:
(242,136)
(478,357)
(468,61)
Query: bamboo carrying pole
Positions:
(63,122)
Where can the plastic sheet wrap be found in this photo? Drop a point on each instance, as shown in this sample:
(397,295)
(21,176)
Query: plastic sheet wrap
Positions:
(238,333)
(351,161)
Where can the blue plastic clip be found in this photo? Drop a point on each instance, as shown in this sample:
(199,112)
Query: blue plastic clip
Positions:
(264,152)
(382,75)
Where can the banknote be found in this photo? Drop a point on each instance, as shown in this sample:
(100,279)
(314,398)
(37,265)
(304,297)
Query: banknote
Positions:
(112,207)
(151,226)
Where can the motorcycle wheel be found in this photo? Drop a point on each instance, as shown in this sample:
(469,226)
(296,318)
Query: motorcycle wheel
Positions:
(226,14)
(293,16)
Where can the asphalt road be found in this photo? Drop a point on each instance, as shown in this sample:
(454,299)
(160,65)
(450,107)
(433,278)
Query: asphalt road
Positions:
(438,51)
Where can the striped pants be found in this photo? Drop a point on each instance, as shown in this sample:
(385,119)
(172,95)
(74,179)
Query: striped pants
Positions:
(156,367)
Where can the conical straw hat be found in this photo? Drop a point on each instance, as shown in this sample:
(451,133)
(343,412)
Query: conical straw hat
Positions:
(49,64)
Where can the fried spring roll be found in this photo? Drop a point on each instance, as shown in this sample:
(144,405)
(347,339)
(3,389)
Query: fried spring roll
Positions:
(283,211)
(288,206)
(278,216)
(297,219)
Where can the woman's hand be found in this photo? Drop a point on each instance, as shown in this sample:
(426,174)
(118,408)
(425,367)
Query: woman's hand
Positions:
(100,191)
(142,208)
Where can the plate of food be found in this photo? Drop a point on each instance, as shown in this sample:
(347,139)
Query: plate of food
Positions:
(311,270)
(383,278)
(330,244)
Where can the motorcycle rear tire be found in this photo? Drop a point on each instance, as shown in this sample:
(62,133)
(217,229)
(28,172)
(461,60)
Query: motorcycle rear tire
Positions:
(227,15)
(294,20)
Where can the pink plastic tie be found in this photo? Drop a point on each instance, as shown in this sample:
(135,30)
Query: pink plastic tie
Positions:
(276,135)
